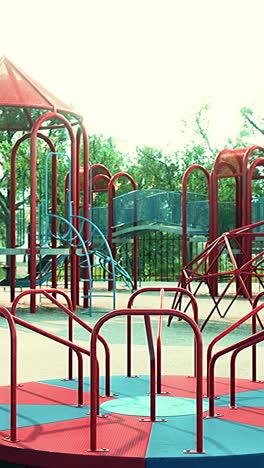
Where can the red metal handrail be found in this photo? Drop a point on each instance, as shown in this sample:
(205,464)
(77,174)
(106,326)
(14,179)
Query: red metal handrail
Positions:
(252,339)
(78,350)
(13,371)
(95,377)
(176,289)
(111,195)
(69,311)
(12,320)
(221,335)
(254,330)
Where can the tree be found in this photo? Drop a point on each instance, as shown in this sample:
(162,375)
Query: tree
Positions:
(252,124)
(104,151)
(155,169)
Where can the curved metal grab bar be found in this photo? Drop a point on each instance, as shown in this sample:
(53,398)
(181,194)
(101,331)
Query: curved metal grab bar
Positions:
(95,377)
(253,313)
(69,311)
(176,289)
(252,339)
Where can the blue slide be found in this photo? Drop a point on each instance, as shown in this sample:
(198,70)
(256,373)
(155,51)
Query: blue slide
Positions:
(44,271)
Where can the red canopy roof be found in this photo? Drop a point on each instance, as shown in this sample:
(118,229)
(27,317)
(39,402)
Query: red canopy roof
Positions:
(18,90)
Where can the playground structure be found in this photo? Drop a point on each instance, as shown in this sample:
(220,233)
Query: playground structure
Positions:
(243,166)
(60,433)
(179,418)
(201,270)
(57,228)
(198,219)
(86,237)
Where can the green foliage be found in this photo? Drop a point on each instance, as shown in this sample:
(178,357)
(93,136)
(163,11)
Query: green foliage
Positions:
(104,151)
(155,169)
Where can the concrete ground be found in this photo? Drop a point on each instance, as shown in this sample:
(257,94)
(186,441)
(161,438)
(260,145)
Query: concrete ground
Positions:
(40,358)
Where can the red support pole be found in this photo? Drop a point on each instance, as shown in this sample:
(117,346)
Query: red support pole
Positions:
(13,204)
(213,229)
(159,343)
(33,211)
(111,195)
(86,209)
(12,265)
(129,346)
(13,372)
(33,216)
(152,369)
(54,220)
(184,208)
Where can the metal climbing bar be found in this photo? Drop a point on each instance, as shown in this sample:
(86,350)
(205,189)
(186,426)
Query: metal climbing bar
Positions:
(95,377)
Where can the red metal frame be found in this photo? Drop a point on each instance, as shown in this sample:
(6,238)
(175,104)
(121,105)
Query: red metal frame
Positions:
(176,290)
(184,207)
(12,320)
(49,293)
(235,164)
(111,195)
(13,209)
(94,376)
(26,94)
(33,251)
(159,343)
(13,371)
(86,203)
(202,268)
(236,347)
(253,315)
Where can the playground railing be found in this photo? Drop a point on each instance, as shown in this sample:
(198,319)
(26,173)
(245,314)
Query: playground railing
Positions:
(79,350)
(236,347)
(254,330)
(94,376)
(162,291)
(252,314)
(50,293)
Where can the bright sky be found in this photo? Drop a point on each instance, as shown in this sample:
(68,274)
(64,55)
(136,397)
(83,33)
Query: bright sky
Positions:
(135,68)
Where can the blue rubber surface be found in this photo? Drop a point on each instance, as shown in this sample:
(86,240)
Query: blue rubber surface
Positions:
(122,385)
(226,443)
(34,415)
(221,437)
(250,399)
(140,406)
